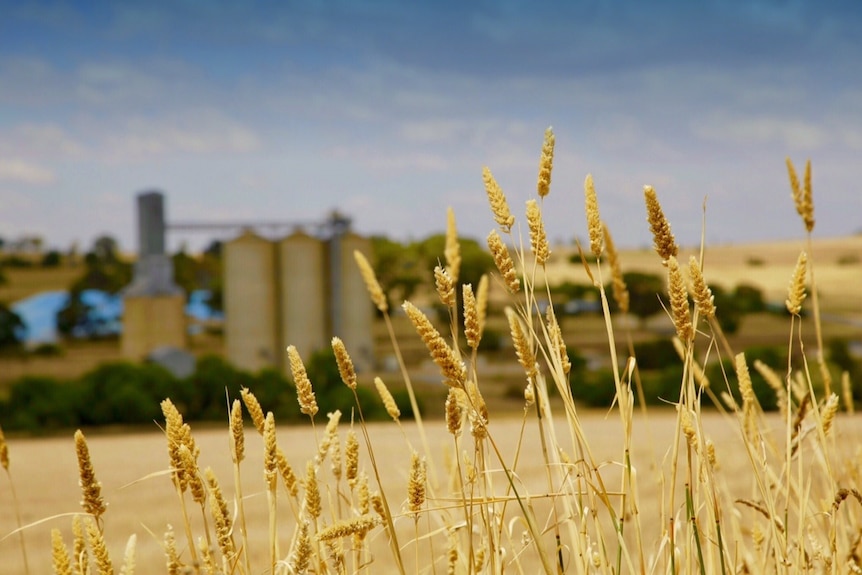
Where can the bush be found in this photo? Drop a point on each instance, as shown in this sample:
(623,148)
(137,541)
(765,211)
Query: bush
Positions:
(124,393)
(656,354)
(40,404)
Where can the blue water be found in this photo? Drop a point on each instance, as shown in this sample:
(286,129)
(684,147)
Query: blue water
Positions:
(39,314)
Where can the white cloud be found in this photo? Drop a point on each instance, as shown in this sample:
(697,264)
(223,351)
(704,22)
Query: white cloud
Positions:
(786,132)
(197,133)
(100,83)
(23,172)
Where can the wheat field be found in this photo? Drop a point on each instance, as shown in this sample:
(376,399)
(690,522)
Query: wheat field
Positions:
(708,484)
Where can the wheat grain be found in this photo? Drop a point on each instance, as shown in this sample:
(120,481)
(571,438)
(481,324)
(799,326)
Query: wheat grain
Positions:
(796,290)
(351,457)
(472,329)
(311,503)
(416,485)
(189,464)
(538,238)
(388,400)
(270,459)
(522,343)
(288,476)
(663,240)
(302,552)
(499,206)
(688,428)
(621,292)
(347,527)
(774,382)
(330,435)
(371,283)
(680,311)
(304,391)
(703,297)
(746,390)
(477,412)
(452,250)
(221,516)
(503,261)
(546,164)
(453,370)
(254,409)
(454,412)
(208,565)
(802,194)
(594,221)
(80,556)
(171,556)
(555,335)
(92,501)
(59,554)
(128,567)
(445,286)
(363,496)
(237,434)
(828,413)
(345,364)
(100,549)
(482,303)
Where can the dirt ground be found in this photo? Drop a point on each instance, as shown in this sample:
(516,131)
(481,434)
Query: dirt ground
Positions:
(142,501)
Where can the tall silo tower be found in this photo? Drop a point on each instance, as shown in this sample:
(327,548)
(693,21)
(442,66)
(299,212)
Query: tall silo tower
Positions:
(153,305)
(251,303)
(302,294)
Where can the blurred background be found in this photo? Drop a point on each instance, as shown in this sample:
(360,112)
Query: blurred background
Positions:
(275,138)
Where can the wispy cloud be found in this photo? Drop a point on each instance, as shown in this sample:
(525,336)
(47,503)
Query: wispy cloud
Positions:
(18,171)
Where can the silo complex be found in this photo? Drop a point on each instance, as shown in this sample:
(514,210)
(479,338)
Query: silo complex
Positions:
(250,303)
(302,294)
(300,291)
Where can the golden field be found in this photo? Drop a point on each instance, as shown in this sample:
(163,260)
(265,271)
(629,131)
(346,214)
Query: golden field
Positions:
(142,501)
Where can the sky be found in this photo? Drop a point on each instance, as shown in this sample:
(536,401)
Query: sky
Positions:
(388,110)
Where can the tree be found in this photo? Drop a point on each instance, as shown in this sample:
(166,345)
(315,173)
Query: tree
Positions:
(105,248)
(396,267)
(185,271)
(12,328)
(644,291)
(51,259)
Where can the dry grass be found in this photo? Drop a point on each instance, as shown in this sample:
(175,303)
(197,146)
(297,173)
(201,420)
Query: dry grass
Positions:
(678,490)
(766,265)
(24,282)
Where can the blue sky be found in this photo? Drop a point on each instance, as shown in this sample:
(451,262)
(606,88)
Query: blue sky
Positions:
(388,110)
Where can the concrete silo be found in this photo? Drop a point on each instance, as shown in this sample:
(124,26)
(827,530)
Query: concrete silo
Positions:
(352,311)
(251,303)
(302,294)
(153,305)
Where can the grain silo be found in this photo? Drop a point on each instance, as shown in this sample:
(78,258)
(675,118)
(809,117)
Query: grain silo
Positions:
(250,303)
(302,294)
(352,310)
(151,322)
(153,305)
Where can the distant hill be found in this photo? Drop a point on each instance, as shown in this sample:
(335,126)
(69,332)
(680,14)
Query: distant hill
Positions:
(767,265)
